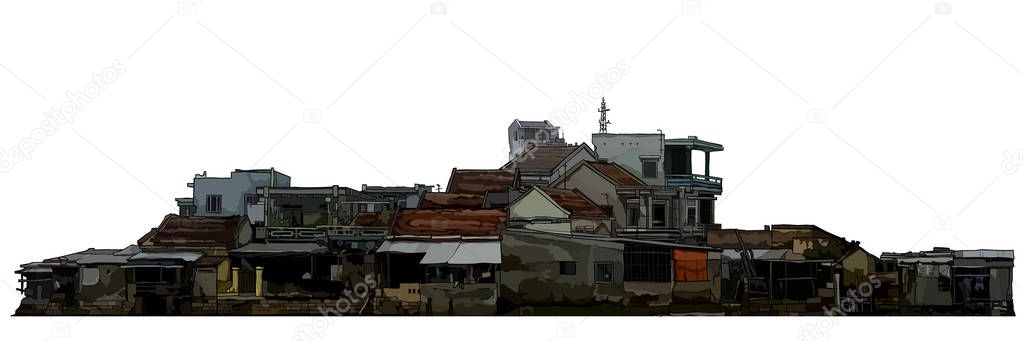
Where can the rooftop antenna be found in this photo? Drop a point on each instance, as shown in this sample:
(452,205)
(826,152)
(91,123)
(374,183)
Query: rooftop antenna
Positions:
(603,116)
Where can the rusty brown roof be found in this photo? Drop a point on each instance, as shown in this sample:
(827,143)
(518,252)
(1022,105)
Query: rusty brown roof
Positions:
(369,219)
(469,223)
(177,230)
(543,158)
(575,202)
(480,182)
(436,200)
(620,176)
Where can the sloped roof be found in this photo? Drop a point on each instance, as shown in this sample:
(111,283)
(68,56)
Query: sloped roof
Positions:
(369,219)
(614,172)
(534,124)
(449,223)
(451,201)
(575,202)
(544,158)
(480,181)
(177,230)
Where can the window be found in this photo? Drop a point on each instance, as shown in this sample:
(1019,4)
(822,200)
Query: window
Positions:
(632,213)
(647,263)
(691,212)
(567,268)
(660,215)
(649,169)
(90,276)
(251,199)
(609,210)
(213,203)
(603,272)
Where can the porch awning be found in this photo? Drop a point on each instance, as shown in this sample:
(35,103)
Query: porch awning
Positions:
(403,247)
(439,253)
(477,253)
(448,252)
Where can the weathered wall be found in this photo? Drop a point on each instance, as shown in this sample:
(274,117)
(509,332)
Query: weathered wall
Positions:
(726,239)
(448,299)
(531,273)
(648,294)
(107,283)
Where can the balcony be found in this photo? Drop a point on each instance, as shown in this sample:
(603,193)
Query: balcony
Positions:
(696,182)
(698,231)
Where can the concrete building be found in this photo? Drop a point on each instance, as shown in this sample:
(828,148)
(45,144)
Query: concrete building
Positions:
(230,196)
(677,200)
(524,134)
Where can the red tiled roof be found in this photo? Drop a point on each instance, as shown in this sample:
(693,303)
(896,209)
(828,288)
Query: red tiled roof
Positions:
(449,223)
(451,201)
(616,173)
(575,202)
(176,230)
(480,181)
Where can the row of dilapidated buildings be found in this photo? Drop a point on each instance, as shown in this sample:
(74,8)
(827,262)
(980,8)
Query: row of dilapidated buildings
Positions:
(625,226)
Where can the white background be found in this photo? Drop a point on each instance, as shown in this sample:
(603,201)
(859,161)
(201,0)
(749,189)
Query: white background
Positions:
(883,122)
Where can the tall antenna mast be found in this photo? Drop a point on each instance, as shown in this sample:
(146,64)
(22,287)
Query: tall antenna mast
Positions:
(603,116)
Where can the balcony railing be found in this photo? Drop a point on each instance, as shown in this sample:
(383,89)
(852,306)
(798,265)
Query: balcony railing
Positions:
(320,233)
(684,230)
(696,182)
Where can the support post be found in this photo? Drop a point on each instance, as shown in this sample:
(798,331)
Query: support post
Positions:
(259,281)
(234,280)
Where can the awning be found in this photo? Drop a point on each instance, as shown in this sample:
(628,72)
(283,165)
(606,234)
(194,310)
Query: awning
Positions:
(477,253)
(279,249)
(439,253)
(403,247)
(161,259)
(448,252)
(172,256)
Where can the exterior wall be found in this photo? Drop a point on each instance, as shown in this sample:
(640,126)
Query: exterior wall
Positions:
(626,150)
(648,294)
(856,267)
(232,190)
(535,204)
(567,165)
(470,300)
(531,273)
(598,189)
(107,295)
